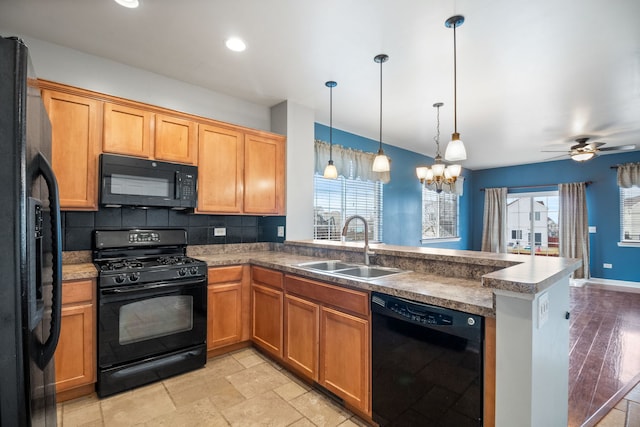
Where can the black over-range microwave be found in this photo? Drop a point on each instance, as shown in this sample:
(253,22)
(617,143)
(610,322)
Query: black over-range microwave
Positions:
(129,181)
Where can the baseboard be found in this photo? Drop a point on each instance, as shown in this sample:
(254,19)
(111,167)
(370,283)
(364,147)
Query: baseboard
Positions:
(612,285)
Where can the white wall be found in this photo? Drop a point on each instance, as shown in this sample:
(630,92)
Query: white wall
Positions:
(75,68)
(296,121)
(532,361)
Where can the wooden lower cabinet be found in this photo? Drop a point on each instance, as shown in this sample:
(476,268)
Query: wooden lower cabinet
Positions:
(302,331)
(225,306)
(75,357)
(344,356)
(267,310)
(327,338)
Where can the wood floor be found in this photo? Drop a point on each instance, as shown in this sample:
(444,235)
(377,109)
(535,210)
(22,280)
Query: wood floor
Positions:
(604,347)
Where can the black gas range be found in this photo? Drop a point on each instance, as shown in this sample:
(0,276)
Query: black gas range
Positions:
(152,307)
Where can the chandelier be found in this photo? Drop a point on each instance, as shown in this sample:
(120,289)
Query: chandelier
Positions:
(439,173)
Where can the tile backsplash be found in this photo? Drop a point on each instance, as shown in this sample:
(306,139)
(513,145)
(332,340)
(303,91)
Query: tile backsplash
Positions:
(78,226)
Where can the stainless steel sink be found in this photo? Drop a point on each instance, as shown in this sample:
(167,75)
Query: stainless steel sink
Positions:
(369,272)
(339,268)
(331,265)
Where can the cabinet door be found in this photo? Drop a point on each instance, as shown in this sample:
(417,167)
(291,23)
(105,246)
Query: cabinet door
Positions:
(220,169)
(76,131)
(302,328)
(75,356)
(225,315)
(267,317)
(264,175)
(344,356)
(176,139)
(127,130)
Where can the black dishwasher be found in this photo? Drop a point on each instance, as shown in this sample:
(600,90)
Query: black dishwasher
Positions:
(427,364)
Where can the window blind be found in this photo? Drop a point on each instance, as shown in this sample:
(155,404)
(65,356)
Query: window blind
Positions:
(630,214)
(337,199)
(439,214)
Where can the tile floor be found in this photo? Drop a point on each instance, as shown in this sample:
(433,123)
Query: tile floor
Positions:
(238,389)
(626,413)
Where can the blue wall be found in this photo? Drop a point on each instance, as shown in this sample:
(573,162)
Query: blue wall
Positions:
(602,204)
(402,220)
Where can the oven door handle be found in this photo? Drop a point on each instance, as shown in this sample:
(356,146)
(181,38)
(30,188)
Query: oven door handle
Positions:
(160,285)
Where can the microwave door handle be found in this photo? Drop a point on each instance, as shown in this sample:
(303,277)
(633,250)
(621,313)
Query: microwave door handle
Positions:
(178,186)
(47,350)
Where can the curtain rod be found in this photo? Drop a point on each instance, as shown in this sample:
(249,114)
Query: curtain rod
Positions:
(536,186)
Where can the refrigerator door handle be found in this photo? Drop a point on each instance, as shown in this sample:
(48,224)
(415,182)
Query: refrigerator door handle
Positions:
(47,350)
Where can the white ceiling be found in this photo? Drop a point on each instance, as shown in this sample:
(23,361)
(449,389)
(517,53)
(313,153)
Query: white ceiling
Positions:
(531,75)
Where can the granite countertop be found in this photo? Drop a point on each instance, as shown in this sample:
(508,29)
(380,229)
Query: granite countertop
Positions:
(513,273)
(455,293)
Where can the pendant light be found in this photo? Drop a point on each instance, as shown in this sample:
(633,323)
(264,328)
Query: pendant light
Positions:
(438,174)
(381,162)
(455,149)
(330,171)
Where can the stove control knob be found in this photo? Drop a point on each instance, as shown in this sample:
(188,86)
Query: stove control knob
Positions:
(120,278)
(193,270)
(134,276)
(182,271)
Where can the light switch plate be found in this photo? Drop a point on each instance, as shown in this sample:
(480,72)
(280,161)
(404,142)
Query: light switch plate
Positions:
(543,309)
(219,231)
(592,229)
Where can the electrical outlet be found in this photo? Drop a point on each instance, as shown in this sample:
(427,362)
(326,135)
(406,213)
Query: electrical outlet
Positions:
(281,231)
(219,232)
(607,265)
(543,309)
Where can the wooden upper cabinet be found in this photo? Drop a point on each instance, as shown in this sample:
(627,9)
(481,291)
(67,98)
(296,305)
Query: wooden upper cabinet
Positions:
(76,127)
(127,130)
(220,169)
(175,139)
(264,174)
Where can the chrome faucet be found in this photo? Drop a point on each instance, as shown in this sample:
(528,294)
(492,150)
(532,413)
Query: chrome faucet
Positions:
(366,235)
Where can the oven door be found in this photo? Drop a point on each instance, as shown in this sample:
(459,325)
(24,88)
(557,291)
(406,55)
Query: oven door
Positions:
(136,322)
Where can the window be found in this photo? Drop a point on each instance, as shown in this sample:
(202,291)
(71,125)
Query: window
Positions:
(533,215)
(630,214)
(439,215)
(337,199)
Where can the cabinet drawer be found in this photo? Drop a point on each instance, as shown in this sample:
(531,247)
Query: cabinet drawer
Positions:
(347,299)
(77,291)
(225,274)
(266,277)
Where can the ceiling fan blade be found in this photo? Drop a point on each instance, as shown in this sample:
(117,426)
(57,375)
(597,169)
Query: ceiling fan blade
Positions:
(556,157)
(619,148)
(555,151)
(595,145)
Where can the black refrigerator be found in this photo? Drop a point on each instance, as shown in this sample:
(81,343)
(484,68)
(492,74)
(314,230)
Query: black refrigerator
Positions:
(30,247)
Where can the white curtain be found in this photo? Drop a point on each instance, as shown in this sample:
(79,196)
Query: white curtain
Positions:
(349,163)
(574,225)
(629,175)
(494,223)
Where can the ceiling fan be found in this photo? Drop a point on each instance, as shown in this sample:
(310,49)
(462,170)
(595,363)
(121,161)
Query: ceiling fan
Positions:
(584,150)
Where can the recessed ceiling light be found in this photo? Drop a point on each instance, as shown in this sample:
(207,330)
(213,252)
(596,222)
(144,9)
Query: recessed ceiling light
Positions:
(235,44)
(131,4)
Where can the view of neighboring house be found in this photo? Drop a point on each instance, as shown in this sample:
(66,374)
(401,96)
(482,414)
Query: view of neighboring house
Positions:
(525,214)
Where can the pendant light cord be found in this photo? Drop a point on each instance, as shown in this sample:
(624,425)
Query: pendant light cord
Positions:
(455,83)
(381,61)
(331,123)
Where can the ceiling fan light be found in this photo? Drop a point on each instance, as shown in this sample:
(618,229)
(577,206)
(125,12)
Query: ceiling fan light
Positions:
(455,151)
(381,162)
(330,172)
(583,156)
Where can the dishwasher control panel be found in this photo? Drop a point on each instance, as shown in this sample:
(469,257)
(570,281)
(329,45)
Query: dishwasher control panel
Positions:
(418,315)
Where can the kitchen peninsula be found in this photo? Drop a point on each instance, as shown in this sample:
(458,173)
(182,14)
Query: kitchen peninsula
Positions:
(527,297)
